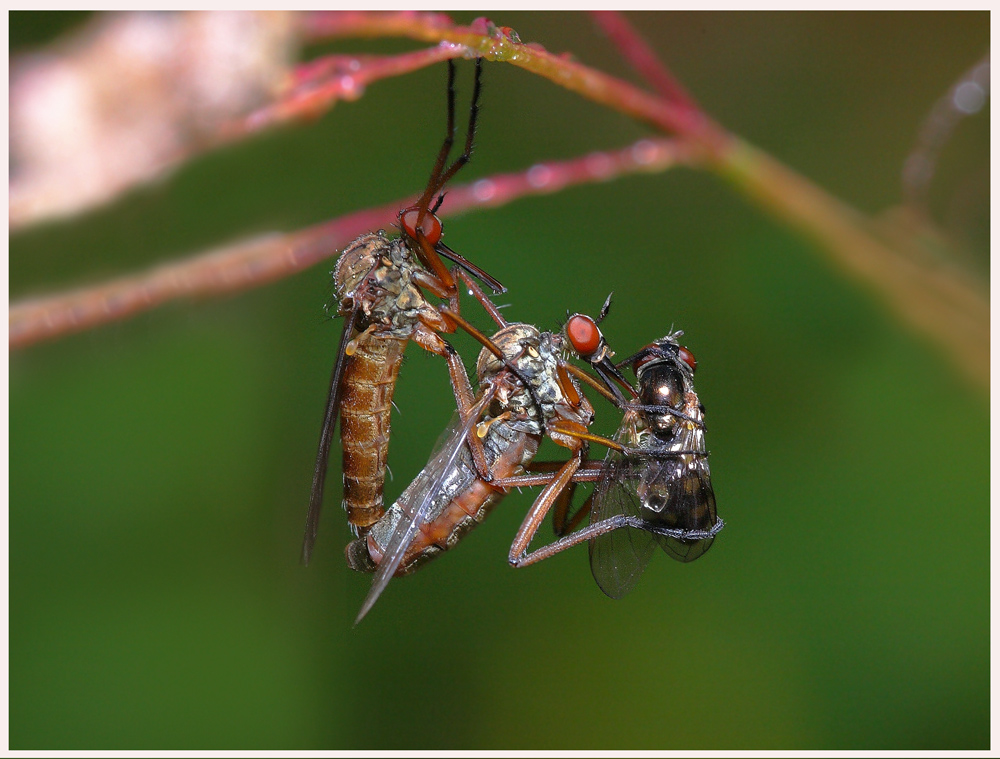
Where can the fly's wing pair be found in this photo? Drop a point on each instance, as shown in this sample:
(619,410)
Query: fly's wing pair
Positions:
(418,499)
(679,504)
(667,499)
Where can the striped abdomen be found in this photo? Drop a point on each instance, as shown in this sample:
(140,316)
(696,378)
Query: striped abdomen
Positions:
(366,402)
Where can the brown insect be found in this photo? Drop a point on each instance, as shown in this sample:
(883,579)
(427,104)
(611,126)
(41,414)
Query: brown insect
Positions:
(380,288)
(532,393)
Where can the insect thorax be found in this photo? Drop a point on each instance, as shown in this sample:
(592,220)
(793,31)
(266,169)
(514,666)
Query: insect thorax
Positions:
(668,383)
(376,274)
(536,356)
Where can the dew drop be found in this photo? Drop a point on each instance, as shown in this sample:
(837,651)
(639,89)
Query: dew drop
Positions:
(969,97)
(349,87)
(646,152)
(539,175)
(484,190)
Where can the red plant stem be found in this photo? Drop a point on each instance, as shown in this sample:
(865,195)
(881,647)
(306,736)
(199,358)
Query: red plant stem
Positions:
(256,262)
(938,300)
(643,59)
(321,83)
(316,86)
(502,44)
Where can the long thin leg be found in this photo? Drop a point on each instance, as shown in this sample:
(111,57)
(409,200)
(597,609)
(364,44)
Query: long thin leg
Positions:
(580,374)
(442,284)
(592,531)
(580,435)
(477,293)
(471,134)
(464,400)
(543,474)
(600,528)
(434,183)
(447,318)
(540,508)
(485,277)
(509,363)
(560,508)
(590,473)
(479,336)
(574,521)
(432,282)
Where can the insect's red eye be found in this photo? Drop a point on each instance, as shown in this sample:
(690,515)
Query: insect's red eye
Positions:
(653,353)
(583,334)
(687,357)
(430,225)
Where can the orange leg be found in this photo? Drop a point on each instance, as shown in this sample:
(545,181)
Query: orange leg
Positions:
(543,473)
(477,293)
(587,533)
(519,556)
(568,473)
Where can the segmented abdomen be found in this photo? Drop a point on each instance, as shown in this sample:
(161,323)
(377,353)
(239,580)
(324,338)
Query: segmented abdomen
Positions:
(466,501)
(366,402)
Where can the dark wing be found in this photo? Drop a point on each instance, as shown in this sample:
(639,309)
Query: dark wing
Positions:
(325,436)
(618,558)
(417,500)
(689,523)
(678,500)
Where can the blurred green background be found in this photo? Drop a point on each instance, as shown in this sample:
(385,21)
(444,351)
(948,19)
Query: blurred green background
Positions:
(160,467)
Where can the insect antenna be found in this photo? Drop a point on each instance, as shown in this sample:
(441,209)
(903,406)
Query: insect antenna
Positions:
(605,309)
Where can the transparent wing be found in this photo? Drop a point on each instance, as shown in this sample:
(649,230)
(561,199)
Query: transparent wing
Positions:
(417,500)
(691,522)
(618,558)
(325,437)
(678,499)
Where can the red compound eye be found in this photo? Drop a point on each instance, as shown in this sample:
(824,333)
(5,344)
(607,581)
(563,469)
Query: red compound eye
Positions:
(687,357)
(430,225)
(651,356)
(583,334)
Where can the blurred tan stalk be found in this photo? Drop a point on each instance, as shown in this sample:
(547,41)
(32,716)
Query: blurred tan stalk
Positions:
(131,95)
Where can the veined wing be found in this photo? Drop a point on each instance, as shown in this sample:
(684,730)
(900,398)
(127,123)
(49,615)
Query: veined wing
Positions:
(618,558)
(417,500)
(325,437)
(678,499)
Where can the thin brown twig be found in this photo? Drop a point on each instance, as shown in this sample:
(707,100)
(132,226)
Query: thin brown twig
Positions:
(255,262)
